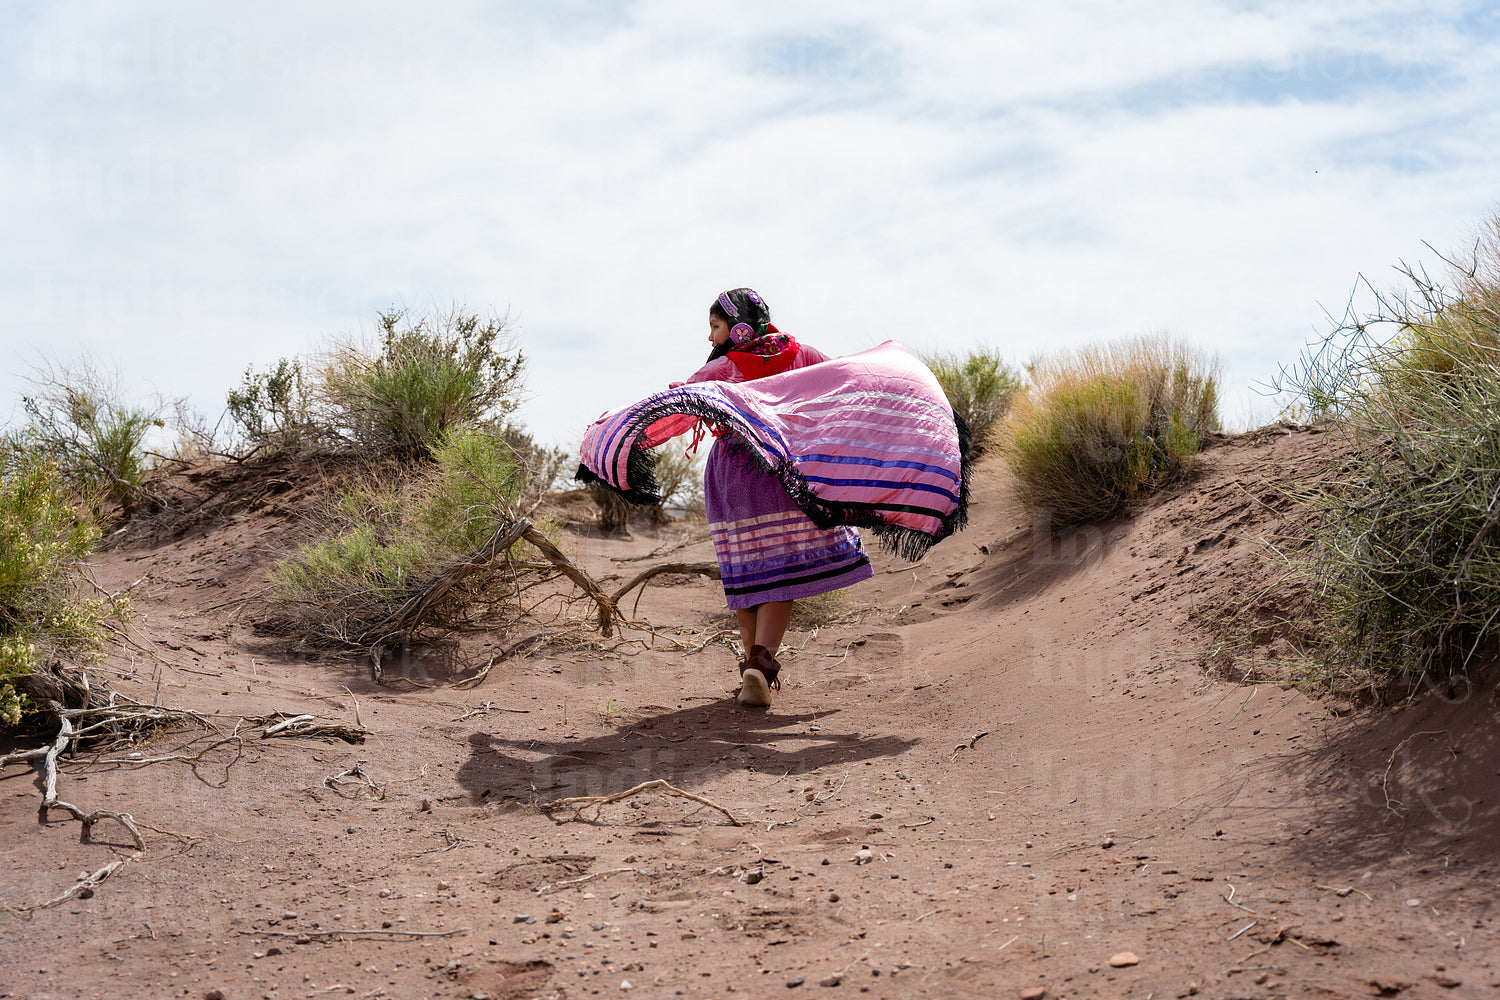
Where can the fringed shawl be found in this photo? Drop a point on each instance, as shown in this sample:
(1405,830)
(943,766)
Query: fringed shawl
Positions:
(866,440)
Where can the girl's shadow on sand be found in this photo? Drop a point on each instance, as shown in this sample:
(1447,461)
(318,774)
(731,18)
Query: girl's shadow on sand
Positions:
(687,747)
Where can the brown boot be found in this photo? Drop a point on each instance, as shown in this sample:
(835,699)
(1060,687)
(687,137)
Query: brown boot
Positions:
(758,678)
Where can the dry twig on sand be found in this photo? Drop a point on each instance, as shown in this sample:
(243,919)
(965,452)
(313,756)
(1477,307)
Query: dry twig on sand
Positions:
(969,745)
(87,882)
(357,778)
(577,802)
(352,933)
(661,550)
(568,883)
(525,645)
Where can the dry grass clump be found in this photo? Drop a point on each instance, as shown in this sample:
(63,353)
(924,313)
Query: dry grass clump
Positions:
(1100,427)
(1405,568)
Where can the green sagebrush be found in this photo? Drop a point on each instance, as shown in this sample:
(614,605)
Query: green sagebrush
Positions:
(980,387)
(43,538)
(387,539)
(1405,562)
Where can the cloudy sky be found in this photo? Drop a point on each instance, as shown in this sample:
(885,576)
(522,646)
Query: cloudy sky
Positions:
(188,189)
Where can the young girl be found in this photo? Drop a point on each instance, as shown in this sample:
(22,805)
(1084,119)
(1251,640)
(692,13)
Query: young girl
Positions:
(770,553)
(806,447)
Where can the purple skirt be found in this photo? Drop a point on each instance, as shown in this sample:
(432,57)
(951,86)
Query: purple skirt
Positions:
(768,550)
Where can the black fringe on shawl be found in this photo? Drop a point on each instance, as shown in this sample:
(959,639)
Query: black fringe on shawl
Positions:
(909,543)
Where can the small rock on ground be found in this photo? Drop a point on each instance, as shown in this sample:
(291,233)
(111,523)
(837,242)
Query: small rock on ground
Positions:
(1035,993)
(1124,958)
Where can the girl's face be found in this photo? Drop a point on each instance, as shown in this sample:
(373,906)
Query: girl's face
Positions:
(718,330)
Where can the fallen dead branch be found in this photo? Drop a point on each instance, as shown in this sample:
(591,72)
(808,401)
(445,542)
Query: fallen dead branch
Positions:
(21,756)
(577,802)
(87,882)
(65,734)
(307,725)
(409,615)
(702,568)
(311,726)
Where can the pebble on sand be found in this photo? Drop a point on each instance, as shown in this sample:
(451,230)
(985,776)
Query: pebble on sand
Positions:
(1124,958)
(1034,993)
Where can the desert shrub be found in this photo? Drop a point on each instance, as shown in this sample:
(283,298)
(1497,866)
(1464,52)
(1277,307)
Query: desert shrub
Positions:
(77,415)
(1102,426)
(1405,562)
(980,387)
(614,510)
(388,534)
(430,373)
(43,537)
(540,467)
(273,412)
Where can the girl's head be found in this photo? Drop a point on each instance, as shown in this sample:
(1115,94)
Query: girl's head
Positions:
(737,317)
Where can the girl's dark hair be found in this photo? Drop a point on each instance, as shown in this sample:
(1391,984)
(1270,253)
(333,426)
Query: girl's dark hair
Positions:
(751,310)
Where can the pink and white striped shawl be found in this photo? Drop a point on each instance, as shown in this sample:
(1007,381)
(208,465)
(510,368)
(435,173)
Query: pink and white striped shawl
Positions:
(866,440)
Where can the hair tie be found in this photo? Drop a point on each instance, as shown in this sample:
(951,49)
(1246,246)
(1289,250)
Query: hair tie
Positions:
(742,333)
(727,304)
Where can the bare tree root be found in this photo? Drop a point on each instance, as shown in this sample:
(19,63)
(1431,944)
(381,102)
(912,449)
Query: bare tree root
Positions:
(410,614)
(607,610)
(577,802)
(119,723)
